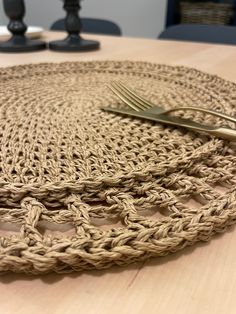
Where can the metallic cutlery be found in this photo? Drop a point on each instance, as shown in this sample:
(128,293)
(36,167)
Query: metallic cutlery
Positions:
(138,103)
(143,109)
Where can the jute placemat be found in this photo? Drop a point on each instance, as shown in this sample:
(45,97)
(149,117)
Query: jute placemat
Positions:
(65,164)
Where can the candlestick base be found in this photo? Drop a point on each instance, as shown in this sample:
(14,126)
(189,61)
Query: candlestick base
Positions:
(19,43)
(74,43)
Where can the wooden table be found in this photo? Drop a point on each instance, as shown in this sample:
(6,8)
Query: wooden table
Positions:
(199,279)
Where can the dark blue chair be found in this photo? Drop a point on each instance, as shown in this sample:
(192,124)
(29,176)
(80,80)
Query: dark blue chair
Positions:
(218,34)
(91,25)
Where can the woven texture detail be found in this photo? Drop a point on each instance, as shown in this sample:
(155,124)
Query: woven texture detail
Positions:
(90,189)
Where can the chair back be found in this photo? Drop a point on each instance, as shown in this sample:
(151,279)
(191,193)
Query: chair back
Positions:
(218,34)
(92,25)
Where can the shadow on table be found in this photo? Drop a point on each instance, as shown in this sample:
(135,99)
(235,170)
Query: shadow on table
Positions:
(152,262)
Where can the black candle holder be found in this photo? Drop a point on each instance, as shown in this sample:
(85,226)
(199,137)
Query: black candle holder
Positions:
(15,10)
(73,42)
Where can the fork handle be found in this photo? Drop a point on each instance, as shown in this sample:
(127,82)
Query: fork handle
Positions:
(228,134)
(209,111)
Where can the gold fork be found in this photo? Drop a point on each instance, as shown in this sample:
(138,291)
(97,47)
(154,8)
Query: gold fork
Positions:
(143,109)
(138,103)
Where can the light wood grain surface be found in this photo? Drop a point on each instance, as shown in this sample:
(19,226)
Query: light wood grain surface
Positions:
(199,279)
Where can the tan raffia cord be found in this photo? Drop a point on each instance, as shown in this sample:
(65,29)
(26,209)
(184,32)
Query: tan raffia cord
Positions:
(64,162)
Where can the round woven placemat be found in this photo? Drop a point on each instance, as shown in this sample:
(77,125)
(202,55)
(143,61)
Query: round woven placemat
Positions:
(90,189)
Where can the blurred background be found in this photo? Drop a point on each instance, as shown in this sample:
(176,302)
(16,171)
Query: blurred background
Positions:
(137,18)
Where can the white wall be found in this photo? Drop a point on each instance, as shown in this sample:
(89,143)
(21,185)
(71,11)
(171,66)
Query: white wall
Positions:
(2,17)
(141,18)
